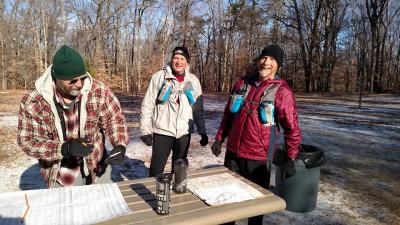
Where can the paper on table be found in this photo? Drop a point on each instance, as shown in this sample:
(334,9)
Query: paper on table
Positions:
(72,205)
(221,189)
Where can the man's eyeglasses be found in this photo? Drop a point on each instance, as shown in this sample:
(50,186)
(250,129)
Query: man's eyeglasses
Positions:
(74,81)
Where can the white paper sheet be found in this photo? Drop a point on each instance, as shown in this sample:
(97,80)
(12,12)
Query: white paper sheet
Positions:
(72,205)
(221,189)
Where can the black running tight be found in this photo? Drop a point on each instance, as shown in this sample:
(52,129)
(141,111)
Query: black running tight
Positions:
(162,146)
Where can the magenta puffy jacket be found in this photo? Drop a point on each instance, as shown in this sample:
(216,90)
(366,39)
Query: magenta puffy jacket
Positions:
(247,136)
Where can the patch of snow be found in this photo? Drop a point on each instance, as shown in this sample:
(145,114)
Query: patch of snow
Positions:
(8,120)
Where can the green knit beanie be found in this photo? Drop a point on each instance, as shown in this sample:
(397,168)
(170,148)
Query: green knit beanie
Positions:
(68,64)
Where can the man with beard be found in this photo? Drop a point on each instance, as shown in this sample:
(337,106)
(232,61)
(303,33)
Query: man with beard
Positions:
(261,105)
(64,120)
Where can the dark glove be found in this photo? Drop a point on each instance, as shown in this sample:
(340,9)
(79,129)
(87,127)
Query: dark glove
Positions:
(289,169)
(216,148)
(204,140)
(147,139)
(79,147)
(116,155)
(280,156)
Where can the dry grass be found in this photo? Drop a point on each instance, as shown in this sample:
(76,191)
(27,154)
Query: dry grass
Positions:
(9,101)
(9,149)
(9,105)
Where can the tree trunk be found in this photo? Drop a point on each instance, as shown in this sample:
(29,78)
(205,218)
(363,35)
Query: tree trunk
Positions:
(62,22)
(138,64)
(361,85)
(44,27)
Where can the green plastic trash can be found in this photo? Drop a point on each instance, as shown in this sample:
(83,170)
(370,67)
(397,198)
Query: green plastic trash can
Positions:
(301,190)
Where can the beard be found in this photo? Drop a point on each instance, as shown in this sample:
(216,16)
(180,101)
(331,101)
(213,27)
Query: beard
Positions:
(263,73)
(74,92)
(70,94)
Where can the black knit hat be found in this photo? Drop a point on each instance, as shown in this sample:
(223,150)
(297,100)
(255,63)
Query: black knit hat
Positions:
(181,51)
(275,52)
(67,64)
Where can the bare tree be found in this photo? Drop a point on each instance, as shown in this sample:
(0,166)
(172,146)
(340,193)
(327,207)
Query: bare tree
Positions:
(122,41)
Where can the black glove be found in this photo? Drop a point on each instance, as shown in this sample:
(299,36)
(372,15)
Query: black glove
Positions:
(147,139)
(204,140)
(289,169)
(116,155)
(280,156)
(79,147)
(216,148)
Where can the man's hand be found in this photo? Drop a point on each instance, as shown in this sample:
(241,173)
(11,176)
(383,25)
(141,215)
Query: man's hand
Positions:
(216,148)
(116,155)
(204,140)
(147,139)
(79,147)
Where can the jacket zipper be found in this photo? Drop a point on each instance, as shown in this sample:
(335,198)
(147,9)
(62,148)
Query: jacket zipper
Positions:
(247,116)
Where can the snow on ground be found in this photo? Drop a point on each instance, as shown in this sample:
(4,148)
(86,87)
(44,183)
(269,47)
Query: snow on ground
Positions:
(358,185)
(7,120)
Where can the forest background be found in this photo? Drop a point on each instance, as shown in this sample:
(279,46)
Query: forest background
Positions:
(341,46)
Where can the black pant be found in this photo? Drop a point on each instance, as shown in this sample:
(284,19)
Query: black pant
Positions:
(253,170)
(162,146)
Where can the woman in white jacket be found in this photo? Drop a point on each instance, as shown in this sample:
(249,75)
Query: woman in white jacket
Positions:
(172,103)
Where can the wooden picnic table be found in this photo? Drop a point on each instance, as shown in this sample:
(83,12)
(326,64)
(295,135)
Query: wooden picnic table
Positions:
(187,208)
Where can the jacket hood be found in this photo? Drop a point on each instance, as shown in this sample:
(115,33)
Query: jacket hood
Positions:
(44,85)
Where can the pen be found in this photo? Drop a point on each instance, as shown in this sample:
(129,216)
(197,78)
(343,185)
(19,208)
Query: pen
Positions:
(27,208)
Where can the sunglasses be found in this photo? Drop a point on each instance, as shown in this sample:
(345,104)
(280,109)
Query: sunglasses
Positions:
(74,81)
